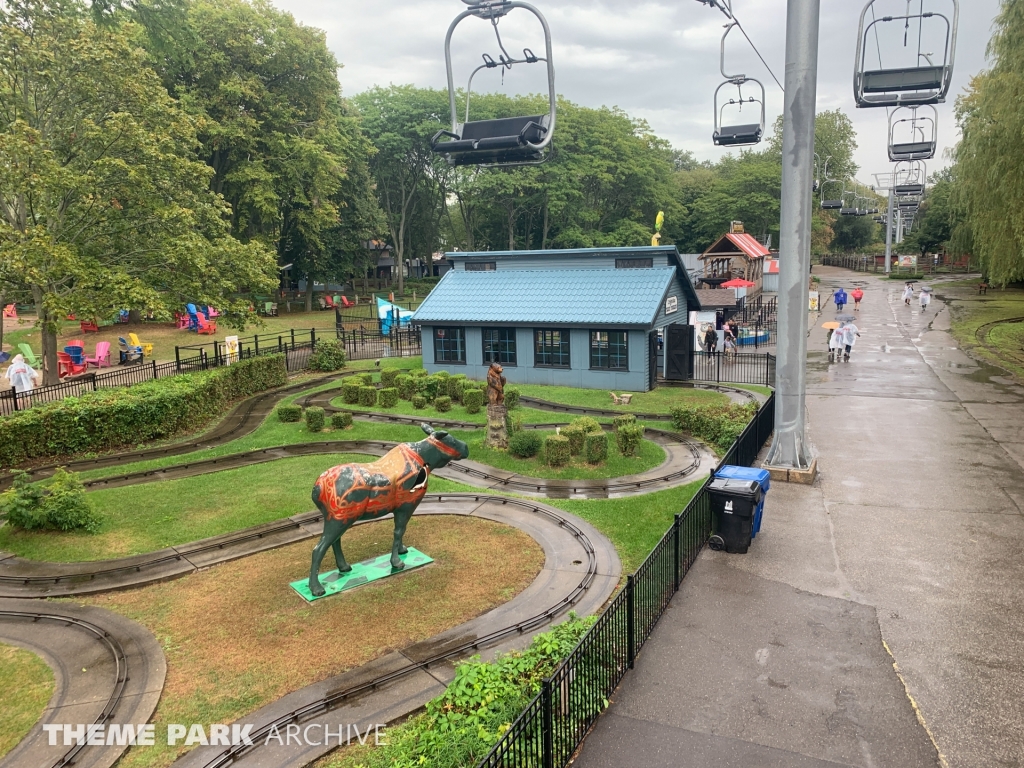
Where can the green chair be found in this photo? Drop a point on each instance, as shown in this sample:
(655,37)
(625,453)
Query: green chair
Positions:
(29,355)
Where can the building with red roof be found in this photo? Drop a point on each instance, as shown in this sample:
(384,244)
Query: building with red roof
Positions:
(735,255)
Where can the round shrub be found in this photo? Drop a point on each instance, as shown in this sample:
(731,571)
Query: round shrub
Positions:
(289,412)
(419,401)
(443,375)
(63,506)
(556,450)
(388,397)
(406,386)
(389,376)
(524,444)
(328,355)
(626,418)
(575,437)
(586,424)
(595,447)
(368,396)
(417,373)
(341,420)
(366,379)
(315,418)
(628,437)
(443,403)
(350,390)
(511,397)
(473,399)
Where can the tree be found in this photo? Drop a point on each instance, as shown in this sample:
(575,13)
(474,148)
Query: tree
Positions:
(988,192)
(934,223)
(102,202)
(853,233)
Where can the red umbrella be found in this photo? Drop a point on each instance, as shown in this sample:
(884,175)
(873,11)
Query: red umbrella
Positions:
(738,283)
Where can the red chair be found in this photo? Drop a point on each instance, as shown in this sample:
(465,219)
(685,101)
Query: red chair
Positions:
(68,367)
(11,311)
(102,356)
(181,320)
(346,303)
(205,326)
(89,326)
(329,302)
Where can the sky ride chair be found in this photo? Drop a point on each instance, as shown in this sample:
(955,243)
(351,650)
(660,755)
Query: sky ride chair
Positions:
(914,137)
(911,83)
(835,203)
(737,134)
(507,141)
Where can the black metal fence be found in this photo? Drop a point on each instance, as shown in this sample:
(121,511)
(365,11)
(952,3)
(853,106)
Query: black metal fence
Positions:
(735,368)
(295,344)
(554,723)
(368,345)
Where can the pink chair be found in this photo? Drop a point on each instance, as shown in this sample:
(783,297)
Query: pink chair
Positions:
(102,356)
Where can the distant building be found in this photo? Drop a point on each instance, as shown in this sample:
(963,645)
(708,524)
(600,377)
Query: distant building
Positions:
(736,255)
(586,318)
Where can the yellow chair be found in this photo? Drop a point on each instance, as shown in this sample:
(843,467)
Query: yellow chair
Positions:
(147,349)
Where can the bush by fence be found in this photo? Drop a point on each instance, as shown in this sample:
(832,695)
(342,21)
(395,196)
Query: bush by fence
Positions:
(115,418)
(718,425)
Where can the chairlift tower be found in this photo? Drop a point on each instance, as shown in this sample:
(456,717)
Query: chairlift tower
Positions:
(790,456)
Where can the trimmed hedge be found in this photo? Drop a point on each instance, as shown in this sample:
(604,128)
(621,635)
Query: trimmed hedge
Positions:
(473,399)
(350,390)
(419,401)
(289,412)
(388,397)
(628,438)
(556,450)
(575,436)
(315,418)
(595,447)
(366,379)
(626,418)
(341,420)
(406,386)
(443,404)
(328,355)
(116,418)
(389,376)
(511,397)
(717,425)
(524,444)
(368,396)
(456,387)
(418,372)
(433,386)
(586,423)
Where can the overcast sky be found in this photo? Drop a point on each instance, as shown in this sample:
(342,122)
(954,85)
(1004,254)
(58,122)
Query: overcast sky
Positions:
(657,60)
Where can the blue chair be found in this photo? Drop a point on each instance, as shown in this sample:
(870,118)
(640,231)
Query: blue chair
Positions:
(193,322)
(77,354)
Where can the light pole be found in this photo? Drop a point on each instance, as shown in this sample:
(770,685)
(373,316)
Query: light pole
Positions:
(790,456)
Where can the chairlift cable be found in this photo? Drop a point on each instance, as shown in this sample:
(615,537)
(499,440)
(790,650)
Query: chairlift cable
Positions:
(759,54)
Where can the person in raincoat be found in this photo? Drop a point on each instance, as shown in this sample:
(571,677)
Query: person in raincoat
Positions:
(835,344)
(21,375)
(840,299)
(908,294)
(850,332)
(924,297)
(857,295)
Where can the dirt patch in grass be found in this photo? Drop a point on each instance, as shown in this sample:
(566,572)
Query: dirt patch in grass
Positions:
(238,637)
(31,678)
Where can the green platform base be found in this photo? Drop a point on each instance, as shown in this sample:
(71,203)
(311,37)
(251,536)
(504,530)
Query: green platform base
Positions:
(362,573)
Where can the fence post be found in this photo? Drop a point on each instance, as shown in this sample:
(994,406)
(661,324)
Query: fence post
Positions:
(280,343)
(154,371)
(766,368)
(548,756)
(14,394)
(256,344)
(293,338)
(177,359)
(676,546)
(630,622)
(312,338)
(216,353)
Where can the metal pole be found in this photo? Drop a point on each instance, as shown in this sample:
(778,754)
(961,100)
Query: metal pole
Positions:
(790,448)
(888,232)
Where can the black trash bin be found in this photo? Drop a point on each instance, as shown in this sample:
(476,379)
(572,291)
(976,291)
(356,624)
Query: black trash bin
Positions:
(733,505)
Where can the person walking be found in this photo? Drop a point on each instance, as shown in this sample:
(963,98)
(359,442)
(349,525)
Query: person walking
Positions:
(710,340)
(21,375)
(850,334)
(924,297)
(835,345)
(857,295)
(908,293)
(840,299)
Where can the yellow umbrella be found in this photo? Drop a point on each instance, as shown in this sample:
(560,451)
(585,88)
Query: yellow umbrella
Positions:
(831,325)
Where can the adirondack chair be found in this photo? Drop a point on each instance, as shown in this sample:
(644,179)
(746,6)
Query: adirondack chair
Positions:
(269,308)
(206,326)
(181,320)
(89,326)
(147,349)
(66,366)
(212,313)
(102,356)
(122,316)
(127,353)
(193,323)
(345,302)
(11,311)
(29,355)
(77,354)
(329,302)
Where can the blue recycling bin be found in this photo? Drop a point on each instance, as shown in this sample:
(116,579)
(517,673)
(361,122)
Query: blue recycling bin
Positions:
(731,472)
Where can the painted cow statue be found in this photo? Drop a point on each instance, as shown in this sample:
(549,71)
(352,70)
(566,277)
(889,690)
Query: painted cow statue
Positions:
(395,483)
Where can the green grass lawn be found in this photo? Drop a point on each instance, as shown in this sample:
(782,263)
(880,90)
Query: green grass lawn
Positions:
(31,680)
(156,515)
(659,400)
(1001,344)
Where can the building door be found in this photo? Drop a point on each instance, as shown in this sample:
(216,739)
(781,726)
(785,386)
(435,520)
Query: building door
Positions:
(679,352)
(652,363)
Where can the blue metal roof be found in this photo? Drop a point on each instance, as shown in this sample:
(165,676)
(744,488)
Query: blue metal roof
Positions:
(618,297)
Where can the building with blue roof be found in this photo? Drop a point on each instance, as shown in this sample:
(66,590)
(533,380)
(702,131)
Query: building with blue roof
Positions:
(586,318)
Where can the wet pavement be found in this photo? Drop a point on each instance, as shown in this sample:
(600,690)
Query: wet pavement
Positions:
(910,543)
